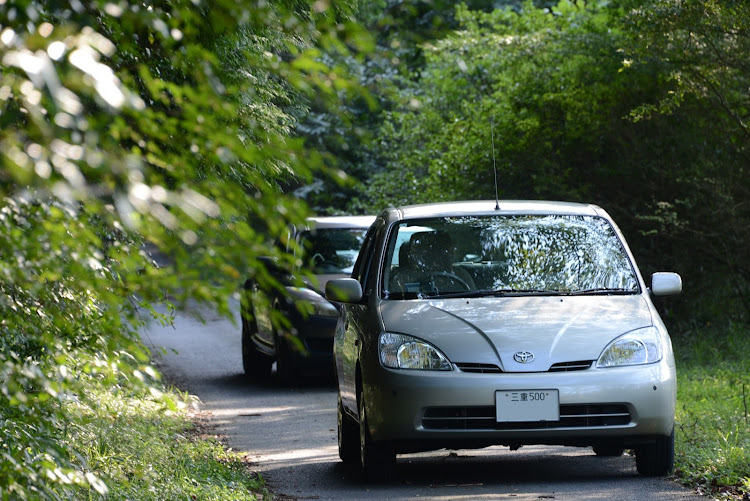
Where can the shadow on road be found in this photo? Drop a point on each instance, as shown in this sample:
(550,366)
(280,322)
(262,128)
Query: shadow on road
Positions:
(308,383)
(498,465)
(493,473)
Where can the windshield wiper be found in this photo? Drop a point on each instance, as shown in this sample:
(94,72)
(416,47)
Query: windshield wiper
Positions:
(601,291)
(604,291)
(498,293)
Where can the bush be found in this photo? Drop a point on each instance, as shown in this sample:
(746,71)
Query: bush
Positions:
(124,127)
(713,396)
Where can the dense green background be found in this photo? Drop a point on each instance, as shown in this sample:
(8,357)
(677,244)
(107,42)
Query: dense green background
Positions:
(202,129)
(638,106)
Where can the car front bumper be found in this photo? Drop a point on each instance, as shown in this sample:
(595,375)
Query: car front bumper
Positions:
(423,410)
(311,343)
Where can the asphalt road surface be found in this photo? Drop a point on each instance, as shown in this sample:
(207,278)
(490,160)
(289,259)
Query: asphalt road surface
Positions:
(290,435)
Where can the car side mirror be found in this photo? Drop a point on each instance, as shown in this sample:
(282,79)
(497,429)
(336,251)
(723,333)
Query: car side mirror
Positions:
(665,284)
(344,290)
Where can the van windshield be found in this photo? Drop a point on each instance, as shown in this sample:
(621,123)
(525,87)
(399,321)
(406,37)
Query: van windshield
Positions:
(332,251)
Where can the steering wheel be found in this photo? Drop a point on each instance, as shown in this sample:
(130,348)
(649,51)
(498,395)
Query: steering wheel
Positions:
(450,276)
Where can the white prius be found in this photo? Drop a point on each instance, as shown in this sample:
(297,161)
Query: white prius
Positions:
(469,324)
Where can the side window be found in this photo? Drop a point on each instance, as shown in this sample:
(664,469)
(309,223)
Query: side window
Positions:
(365,257)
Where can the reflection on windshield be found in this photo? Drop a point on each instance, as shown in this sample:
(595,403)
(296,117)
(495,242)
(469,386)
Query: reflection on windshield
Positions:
(332,251)
(472,256)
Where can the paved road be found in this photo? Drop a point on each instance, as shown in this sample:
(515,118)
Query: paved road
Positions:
(290,433)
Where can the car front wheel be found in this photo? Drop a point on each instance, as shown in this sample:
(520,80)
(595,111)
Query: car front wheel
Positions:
(347,435)
(377,460)
(254,363)
(656,459)
(286,372)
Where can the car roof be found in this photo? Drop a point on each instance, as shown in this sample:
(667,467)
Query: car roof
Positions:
(343,222)
(489,208)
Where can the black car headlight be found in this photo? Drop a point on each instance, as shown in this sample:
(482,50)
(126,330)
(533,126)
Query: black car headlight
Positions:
(310,302)
(399,351)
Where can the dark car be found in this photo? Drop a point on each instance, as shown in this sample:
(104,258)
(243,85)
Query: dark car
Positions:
(294,328)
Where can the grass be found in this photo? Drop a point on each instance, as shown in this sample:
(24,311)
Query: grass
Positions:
(712,449)
(144,447)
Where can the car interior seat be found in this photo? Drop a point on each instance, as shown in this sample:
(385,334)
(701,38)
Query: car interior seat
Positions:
(426,264)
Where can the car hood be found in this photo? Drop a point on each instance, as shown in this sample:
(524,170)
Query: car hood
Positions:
(491,330)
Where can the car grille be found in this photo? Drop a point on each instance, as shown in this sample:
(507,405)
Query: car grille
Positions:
(480,368)
(483,418)
(494,369)
(571,366)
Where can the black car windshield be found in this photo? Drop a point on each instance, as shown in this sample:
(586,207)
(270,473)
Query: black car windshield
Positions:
(331,251)
(506,256)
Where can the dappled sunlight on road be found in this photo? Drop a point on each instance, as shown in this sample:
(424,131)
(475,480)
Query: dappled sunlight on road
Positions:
(254,412)
(302,456)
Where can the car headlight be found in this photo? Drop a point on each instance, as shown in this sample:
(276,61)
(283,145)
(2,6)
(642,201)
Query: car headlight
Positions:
(310,302)
(641,346)
(399,351)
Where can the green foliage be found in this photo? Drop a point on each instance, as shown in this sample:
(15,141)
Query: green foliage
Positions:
(698,46)
(548,86)
(143,445)
(402,31)
(695,49)
(133,132)
(61,297)
(712,437)
(597,102)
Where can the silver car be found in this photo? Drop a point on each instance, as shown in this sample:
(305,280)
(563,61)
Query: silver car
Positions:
(471,324)
(294,327)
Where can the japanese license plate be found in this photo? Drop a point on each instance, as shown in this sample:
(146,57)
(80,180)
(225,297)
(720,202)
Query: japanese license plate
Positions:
(527,405)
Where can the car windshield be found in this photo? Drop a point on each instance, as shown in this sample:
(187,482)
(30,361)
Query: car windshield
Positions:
(332,251)
(506,255)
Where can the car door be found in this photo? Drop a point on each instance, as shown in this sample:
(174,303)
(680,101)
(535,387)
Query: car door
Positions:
(353,316)
(264,303)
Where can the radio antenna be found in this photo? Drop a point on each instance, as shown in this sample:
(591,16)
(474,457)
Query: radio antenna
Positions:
(494,164)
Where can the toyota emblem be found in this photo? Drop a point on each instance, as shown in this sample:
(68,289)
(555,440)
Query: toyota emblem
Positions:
(523,357)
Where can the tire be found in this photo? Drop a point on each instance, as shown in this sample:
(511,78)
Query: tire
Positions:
(286,372)
(656,459)
(608,450)
(254,363)
(348,436)
(377,461)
